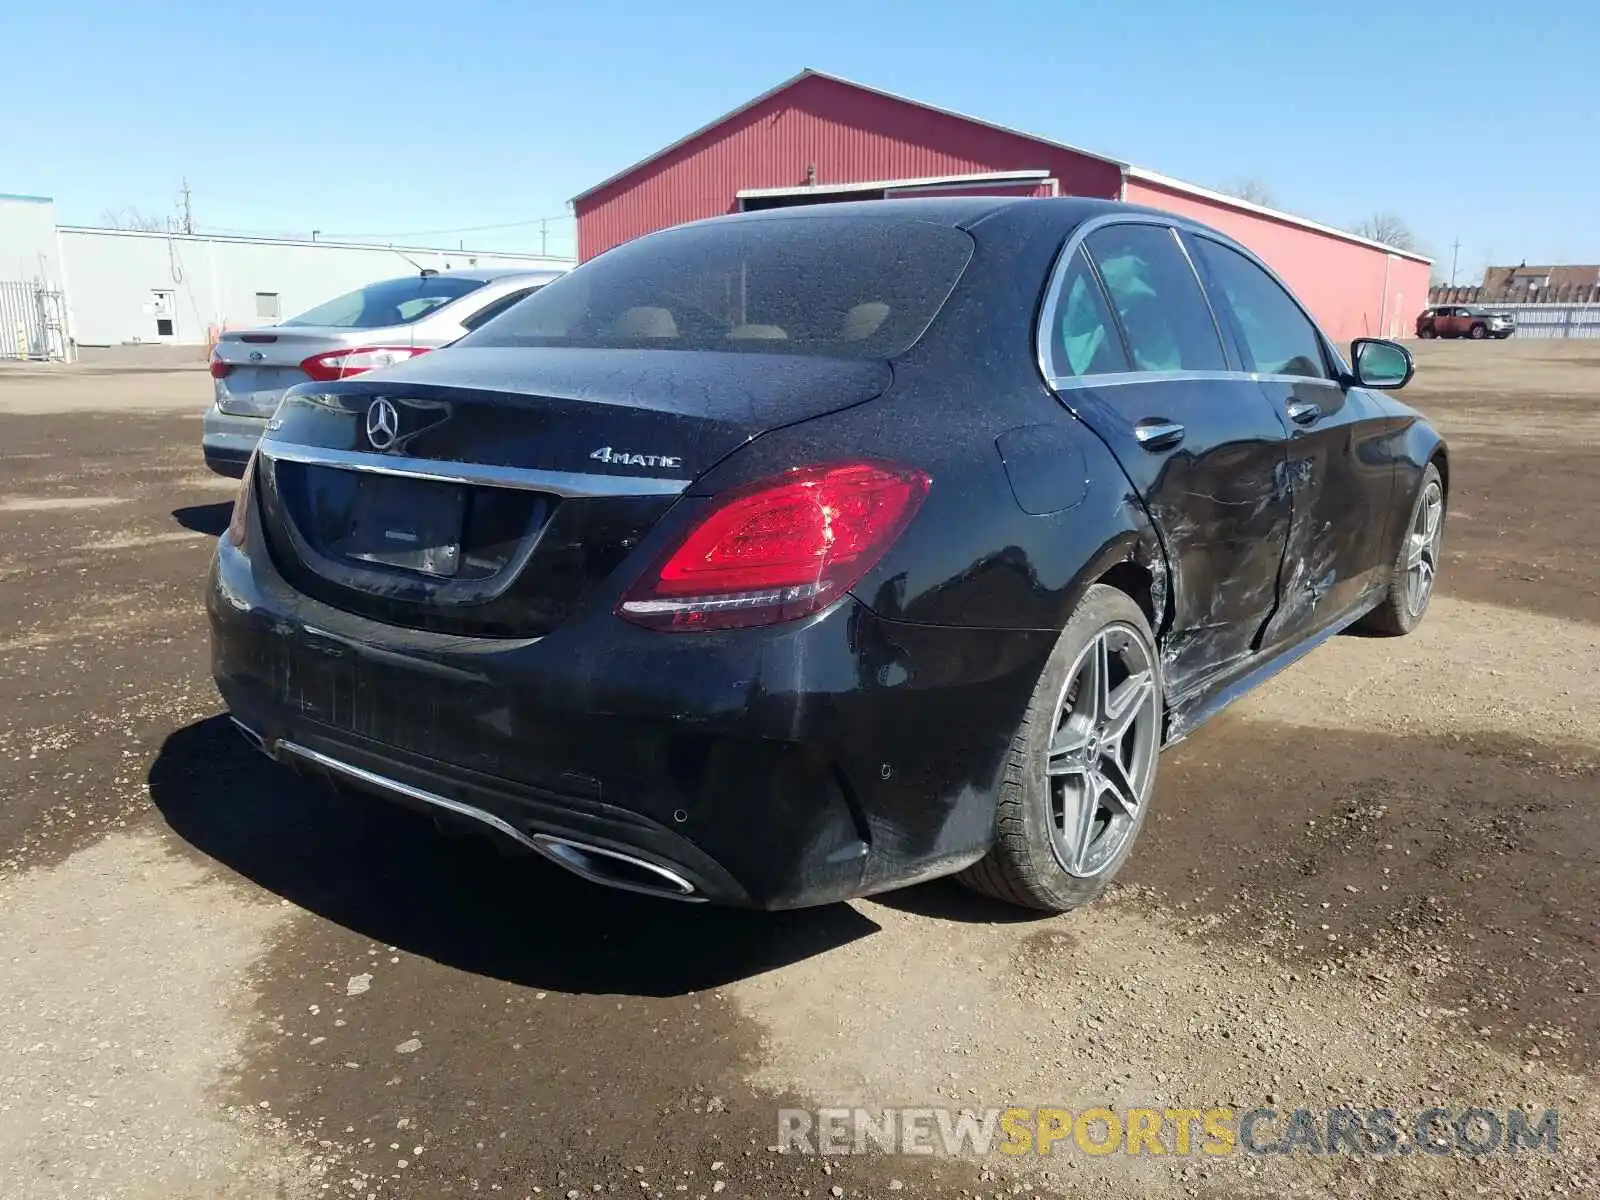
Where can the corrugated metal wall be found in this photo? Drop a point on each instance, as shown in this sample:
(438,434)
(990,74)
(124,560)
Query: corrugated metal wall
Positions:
(1353,290)
(850,135)
(1554,320)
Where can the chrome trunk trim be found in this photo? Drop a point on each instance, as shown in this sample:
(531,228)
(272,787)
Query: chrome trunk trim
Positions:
(556,483)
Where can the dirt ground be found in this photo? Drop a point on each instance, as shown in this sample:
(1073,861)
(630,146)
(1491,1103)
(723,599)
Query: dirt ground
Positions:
(1374,882)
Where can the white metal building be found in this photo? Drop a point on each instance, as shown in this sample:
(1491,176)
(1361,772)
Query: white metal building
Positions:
(124,286)
(29,248)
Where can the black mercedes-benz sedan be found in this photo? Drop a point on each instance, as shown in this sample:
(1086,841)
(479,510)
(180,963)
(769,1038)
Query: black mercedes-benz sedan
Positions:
(793,556)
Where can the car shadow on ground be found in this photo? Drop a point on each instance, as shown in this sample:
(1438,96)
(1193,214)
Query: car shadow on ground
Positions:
(388,874)
(948,900)
(209,519)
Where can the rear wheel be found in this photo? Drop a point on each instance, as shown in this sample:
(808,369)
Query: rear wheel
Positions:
(1478,333)
(1411,583)
(1082,766)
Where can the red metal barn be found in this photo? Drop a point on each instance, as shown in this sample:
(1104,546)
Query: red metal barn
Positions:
(816,138)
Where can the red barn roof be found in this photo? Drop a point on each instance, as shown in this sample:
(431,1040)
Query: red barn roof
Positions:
(823,130)
(817,136)
(838,82)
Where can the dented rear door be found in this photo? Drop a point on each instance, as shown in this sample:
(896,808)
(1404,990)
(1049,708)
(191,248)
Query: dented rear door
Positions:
(1138,356)
(1216,493)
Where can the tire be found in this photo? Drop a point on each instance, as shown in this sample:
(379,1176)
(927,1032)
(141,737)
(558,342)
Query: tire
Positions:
(1426,332)
(1399,612)
(1103,779)
(1477,333)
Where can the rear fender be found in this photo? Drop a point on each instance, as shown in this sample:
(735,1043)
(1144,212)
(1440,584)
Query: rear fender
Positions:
(1008,539)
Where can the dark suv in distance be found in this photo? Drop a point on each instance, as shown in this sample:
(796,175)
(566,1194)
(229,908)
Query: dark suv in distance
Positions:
(1465,320)
(791,556)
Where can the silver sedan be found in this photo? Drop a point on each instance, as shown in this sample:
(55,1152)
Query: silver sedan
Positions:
(371,327)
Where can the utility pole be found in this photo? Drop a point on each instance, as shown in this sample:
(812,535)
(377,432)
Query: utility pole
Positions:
(1455,253)
(544,233)
(188,211)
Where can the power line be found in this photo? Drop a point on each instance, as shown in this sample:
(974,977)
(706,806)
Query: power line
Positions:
(458,229)
(324,234)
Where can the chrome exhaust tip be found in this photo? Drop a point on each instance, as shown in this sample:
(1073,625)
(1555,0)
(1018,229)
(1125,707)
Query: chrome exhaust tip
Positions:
(612,868)
(608,868)
(251,736)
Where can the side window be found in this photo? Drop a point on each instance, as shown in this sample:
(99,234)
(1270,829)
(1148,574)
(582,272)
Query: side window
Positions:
(493,309)
(1280,339)
(1083,339)
(1158,299)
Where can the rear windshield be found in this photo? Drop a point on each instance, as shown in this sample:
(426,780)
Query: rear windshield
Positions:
(392,302)
(847,287)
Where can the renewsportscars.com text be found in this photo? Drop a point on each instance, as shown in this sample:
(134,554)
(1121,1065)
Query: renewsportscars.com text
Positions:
(1166,1131)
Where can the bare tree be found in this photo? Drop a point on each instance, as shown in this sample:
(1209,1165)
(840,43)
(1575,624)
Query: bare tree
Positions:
(126,216)
(1387,228)
(1251,189)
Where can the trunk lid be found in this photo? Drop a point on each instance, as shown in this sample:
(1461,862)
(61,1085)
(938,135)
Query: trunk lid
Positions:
(266,362)
(487,491)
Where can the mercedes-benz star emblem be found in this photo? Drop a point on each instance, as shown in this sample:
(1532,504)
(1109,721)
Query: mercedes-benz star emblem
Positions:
(383,424)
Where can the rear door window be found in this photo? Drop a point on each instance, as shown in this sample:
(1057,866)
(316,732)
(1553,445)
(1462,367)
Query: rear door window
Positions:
(1157,298)
(495,307)
(1083,336)
(853,287)
(1278,337)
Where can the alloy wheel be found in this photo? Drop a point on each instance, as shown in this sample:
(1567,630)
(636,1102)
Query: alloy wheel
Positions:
(1422,548)
(1102,752)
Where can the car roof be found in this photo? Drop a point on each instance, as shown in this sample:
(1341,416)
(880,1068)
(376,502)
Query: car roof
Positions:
(967,212)
(487,274)
(956,211)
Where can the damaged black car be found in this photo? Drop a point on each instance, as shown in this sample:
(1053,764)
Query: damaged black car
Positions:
(792,556)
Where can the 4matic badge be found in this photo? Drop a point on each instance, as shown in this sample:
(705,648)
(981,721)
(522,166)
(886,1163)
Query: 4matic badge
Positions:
(626,458)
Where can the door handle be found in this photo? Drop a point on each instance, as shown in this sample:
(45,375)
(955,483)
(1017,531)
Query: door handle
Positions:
(1304,412)
(1157,433)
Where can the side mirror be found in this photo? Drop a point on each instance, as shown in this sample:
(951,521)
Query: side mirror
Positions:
(1382,364)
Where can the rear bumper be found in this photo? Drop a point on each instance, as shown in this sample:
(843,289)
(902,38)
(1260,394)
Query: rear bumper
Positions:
(228,440)
(767,768)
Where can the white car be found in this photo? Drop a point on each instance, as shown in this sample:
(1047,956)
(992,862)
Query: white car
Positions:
(371,327)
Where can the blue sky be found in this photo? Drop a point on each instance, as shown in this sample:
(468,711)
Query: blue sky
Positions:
(406,118)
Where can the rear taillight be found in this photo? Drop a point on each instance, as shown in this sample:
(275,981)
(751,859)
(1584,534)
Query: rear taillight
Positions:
(219,369)
(778,549)
(239,522)
(341,364)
